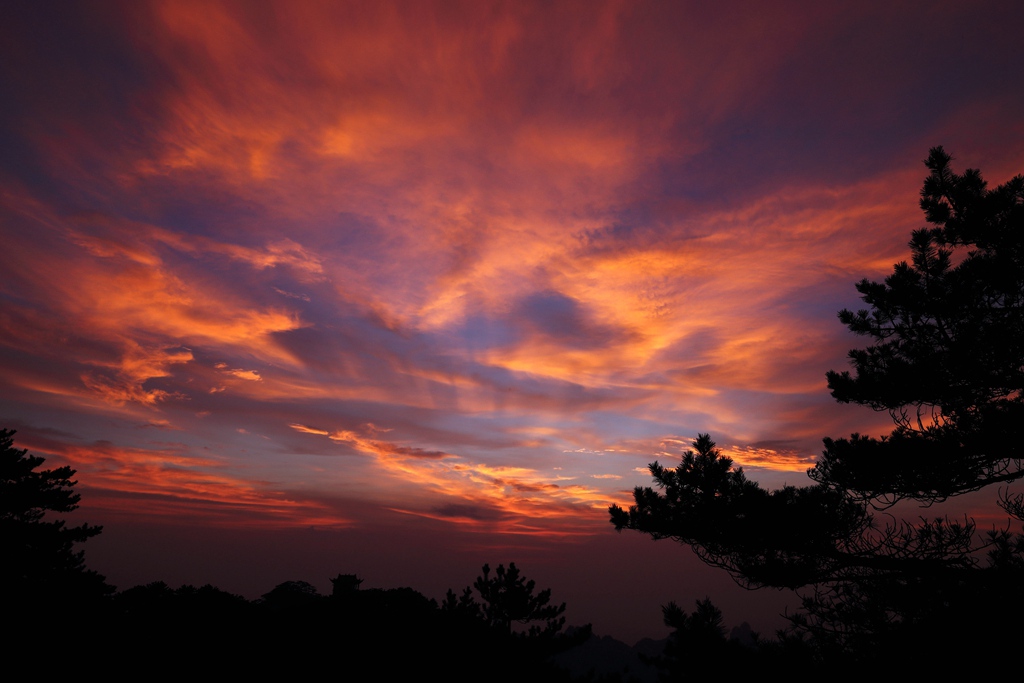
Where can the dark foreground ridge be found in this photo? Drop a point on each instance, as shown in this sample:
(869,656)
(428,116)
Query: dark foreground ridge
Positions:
(61,615)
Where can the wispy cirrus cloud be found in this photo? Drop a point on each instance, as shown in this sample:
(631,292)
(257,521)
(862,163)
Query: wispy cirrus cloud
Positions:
(166,482)
(503,498)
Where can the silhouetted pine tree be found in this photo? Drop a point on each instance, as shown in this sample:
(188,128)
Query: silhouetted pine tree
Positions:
(947,361)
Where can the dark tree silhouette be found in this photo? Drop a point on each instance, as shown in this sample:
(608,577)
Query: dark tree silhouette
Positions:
(948,354)
(506,599)
(41,566)
(291,594)
(697,646)
(947,361)
(492,644)
(344,585)
(509,598)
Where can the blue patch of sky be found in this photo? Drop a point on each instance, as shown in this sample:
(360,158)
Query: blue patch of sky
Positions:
(480,332)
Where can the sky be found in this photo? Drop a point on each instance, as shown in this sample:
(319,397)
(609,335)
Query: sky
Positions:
(398,289)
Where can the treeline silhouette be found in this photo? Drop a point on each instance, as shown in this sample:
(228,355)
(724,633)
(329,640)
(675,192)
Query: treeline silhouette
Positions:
(59,613)
(292,630)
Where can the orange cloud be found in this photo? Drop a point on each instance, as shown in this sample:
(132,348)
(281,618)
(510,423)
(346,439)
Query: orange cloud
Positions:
(167,483)
(136,366)
(502,498)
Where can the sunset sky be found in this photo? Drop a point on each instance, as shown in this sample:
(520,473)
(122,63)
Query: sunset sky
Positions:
(398,289)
